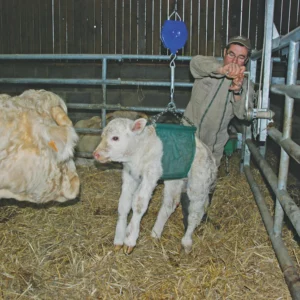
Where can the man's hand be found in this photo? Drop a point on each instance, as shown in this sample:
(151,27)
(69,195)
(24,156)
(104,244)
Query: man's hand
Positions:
(235,72)
(232,70)
(237,83)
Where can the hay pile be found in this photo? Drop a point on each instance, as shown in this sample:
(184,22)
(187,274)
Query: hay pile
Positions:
(66,251)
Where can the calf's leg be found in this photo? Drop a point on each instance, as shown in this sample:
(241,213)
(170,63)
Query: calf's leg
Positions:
(197,208)
(185,203)
(139,206)
(129,187)
(171,200)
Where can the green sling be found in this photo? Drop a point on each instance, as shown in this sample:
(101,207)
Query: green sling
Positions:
(179,149)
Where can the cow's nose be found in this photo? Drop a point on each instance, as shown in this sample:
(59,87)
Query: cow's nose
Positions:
(96,155)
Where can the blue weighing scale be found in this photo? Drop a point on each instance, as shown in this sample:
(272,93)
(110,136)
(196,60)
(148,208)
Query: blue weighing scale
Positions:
(174,34)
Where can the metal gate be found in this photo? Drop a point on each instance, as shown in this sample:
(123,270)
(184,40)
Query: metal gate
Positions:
(289,47)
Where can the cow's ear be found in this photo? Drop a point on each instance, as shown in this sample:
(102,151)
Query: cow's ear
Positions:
(139,125)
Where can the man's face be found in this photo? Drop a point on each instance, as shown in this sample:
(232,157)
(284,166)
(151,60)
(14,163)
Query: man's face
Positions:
(236,54)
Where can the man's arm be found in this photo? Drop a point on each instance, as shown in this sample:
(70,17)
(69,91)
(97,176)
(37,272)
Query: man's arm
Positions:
(204,66)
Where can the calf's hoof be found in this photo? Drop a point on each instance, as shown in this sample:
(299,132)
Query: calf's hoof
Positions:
(187,249)
(155,235)
(187,244)
(128,249)
(118,247)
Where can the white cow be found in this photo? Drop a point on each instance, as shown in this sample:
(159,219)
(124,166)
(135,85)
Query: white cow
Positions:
(140,150)
(36,148)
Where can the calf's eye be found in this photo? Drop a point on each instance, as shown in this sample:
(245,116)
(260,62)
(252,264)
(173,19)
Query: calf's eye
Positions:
(115,138)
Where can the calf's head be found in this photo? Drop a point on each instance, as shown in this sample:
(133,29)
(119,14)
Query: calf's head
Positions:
(119,140)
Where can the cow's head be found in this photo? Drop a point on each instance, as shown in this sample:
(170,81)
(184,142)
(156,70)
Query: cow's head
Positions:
(119,140)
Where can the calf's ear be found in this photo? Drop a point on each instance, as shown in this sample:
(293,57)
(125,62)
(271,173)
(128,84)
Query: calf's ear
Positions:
(139,125)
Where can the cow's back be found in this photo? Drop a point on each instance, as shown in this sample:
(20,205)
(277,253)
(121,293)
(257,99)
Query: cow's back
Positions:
(35,152)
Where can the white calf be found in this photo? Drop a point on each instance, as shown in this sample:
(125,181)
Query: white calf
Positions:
(140,150)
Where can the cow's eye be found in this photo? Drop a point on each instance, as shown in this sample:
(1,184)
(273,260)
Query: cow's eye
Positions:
(115,138)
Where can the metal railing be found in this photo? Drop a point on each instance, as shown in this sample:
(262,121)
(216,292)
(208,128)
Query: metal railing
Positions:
(284,203)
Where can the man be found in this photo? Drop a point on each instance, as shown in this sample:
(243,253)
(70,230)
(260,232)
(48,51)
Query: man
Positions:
(219,93)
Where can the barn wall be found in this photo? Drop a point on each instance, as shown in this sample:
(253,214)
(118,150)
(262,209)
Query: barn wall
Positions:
(133,26)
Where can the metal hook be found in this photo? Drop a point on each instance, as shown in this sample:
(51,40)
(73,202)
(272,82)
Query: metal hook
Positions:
(176,15)
(175,12)
(172,66)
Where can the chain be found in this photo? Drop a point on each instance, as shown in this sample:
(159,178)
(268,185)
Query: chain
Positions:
(171,107)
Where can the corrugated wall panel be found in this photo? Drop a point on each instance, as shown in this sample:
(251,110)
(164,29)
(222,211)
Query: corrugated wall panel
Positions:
(133,26)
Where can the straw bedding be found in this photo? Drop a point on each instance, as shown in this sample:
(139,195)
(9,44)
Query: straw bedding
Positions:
(65,251)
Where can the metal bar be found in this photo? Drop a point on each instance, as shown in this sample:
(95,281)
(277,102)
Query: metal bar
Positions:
(214,32)
(160,23)
(198,26)
(123,26)
(249,18)
(269,15)
(101,28)
(130,24)
(115,33)
(104,92)
(53,31)
(61,81)
(298,9)
(227,25)
(287,144)
(145,24)
(191,27)
(206,27)
(289,17)
(292,90)
(88,130)
(290,208)
(294,35)
(281,11)
(222,22)
(152,28)
(118,57)
(183,19)
(241,16)
(137,25)
(117,107)
(247,132)
(286,264)
(287,132)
